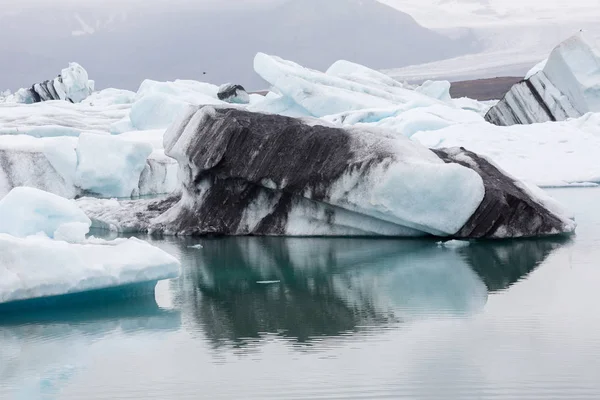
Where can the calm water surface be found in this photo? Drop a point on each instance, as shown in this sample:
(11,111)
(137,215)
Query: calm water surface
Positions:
(265,318)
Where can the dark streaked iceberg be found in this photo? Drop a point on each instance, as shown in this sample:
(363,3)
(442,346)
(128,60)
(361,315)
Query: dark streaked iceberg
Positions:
(245,173)
(565,86)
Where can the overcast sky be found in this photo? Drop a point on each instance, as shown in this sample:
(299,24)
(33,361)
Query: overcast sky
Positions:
(122,42)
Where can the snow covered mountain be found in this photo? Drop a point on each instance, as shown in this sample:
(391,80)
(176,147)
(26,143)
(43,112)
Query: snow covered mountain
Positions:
(122,43)
(512,35)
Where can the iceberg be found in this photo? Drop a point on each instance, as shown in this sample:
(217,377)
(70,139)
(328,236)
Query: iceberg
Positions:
(71,85)
(26,211)
(347,87)
(566,85)
(39,267)
(248,173)
(129,165)
(44,251)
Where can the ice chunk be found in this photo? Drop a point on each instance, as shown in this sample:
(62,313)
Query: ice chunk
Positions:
(38,266)
(454,244)
(75,83)
(156,110)
(231,93)
(48,164)
(568,86)
(574,68)
(408,119)
(323,94)
(110,166)
(437,89)
(27,211)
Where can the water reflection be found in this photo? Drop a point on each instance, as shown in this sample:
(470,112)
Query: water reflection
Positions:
(332,287)
(41,350)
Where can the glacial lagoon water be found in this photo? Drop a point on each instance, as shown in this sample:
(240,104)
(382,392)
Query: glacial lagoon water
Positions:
(268,318)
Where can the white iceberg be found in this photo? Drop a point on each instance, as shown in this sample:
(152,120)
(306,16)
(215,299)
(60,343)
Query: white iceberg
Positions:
(44,252)
(26,211)
(325,94)
(110,166)
(37,266)
(551,154)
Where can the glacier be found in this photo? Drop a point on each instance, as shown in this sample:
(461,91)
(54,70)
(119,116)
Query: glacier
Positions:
(250,173)
(44,251)
(565,85)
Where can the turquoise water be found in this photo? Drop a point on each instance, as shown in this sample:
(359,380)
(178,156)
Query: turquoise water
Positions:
(266,318)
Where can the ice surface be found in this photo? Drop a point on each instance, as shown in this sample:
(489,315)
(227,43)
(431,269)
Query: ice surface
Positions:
(408,119)
(536,68)
(324,94)
(235,94)
(37,266)
(574,68)
(58,118)
(110,166)
(157,104)
(437,89)
(48,164)
(549,154)
(75,83)
(566,86)
(54,165)
(27,211)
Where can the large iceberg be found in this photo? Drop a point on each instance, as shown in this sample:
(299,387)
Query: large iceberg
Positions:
(44,251)
(250,173)
(566,85)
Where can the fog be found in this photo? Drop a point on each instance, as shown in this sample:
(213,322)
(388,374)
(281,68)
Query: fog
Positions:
(121,43)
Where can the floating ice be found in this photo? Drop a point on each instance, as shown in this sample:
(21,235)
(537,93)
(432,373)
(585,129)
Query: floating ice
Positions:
(248,173)
(37,266)
(566,85)
(26,211)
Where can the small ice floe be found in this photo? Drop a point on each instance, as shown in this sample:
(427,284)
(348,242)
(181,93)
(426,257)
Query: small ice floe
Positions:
(197,247)
(267,282)
(454,244)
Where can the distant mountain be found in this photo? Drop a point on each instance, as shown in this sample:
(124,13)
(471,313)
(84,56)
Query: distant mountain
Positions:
(120,47)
